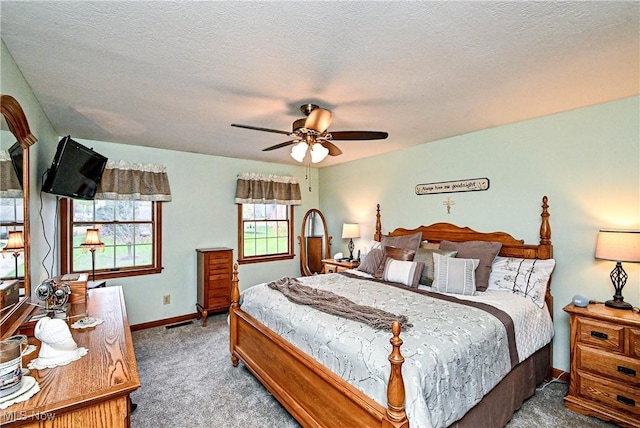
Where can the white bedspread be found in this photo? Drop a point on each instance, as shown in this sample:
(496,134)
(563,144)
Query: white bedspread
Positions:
(454,354)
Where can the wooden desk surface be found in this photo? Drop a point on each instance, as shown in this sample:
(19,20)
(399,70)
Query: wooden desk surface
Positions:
(92,391)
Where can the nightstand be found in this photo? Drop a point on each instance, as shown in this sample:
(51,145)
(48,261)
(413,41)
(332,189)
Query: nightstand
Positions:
(605,364)
(333,266)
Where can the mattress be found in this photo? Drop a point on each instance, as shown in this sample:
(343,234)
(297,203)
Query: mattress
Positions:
(455,353)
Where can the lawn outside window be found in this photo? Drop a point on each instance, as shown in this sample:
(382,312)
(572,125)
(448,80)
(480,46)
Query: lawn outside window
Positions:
(265,232)
(130,231)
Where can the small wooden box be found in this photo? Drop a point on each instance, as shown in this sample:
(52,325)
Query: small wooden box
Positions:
(9,293)
(78,286)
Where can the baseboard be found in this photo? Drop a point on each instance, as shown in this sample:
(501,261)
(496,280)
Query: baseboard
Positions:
(560,375)
(158,323)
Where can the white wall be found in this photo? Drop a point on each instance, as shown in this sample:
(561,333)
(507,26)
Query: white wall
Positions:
(587,161)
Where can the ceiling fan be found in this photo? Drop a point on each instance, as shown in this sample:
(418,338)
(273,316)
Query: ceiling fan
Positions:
(311,133)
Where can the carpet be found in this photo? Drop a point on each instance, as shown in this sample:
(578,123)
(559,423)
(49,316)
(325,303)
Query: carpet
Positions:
(188,381)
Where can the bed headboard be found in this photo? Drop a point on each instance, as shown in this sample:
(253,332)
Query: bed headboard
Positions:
(511,247)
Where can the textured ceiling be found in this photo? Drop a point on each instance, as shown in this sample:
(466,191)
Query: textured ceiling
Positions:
(175,75)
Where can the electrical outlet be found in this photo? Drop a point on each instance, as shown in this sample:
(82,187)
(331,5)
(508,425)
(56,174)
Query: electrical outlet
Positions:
(166,299)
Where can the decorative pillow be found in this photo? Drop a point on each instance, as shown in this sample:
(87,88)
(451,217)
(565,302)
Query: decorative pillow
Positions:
(429,245)
(396,254)
(409,242)
(371,261)
(454,275)
(484,251)
(527,277)
(402,272)
(426,256)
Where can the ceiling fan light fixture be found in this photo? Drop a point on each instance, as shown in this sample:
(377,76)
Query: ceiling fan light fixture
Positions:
(299,151)
(312,132)
(318,153)
(319,120)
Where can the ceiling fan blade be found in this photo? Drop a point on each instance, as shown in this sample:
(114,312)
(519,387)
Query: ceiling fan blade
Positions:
(358,135)
(333,149)
(319,120)
(255,128)
(281,145)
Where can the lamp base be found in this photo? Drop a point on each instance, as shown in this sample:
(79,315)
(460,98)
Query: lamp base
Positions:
(618,304)
(351,247)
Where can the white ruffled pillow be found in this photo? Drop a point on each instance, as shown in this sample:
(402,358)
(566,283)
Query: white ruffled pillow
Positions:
(453,275)
(527,277)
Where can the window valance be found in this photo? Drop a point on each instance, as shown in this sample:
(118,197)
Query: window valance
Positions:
(9,183)
(128,181)
(265,189)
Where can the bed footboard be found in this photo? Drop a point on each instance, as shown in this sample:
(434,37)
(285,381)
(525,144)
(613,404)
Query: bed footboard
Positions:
(312,394)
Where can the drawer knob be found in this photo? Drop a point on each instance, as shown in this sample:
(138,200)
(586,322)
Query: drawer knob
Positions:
(627,371)
(627,401)
(599,335)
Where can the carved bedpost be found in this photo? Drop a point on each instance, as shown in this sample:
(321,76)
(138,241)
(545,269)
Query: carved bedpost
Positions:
(546,252)
(235,304)
(395,417)
(378,235)
(545,228)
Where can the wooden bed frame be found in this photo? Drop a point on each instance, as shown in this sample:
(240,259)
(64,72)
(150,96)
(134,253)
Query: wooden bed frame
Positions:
(317,397)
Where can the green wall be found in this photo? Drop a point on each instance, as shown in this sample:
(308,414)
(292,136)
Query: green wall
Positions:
(12,83)
(587,161)
(201,214)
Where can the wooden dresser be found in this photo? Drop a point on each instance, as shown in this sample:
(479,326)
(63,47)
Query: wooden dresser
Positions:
(605,364)
(214,281)
(94,390)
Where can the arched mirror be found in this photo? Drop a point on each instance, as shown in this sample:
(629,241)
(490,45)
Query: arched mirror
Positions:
(14,207)
(314,243)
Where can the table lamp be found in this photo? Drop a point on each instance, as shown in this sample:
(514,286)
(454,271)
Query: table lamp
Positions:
(92,243)
(15,244)
(350,231)
(619,246)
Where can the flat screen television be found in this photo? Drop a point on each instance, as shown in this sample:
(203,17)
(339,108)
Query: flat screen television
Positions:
(75,172)
(16,153)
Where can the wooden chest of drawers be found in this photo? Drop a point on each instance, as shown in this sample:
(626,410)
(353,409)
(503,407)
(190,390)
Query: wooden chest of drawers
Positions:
(214,281)
(605,364)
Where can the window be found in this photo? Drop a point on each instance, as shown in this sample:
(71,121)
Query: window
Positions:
(11,218)
(130,231)
(265,232)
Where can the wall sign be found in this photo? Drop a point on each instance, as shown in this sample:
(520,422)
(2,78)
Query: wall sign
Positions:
(470,185)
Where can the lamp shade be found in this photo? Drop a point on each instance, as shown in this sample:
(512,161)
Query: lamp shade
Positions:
(16,240)
(618,245)
(92,239)
(350,230)
(318,153)
(299,150)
